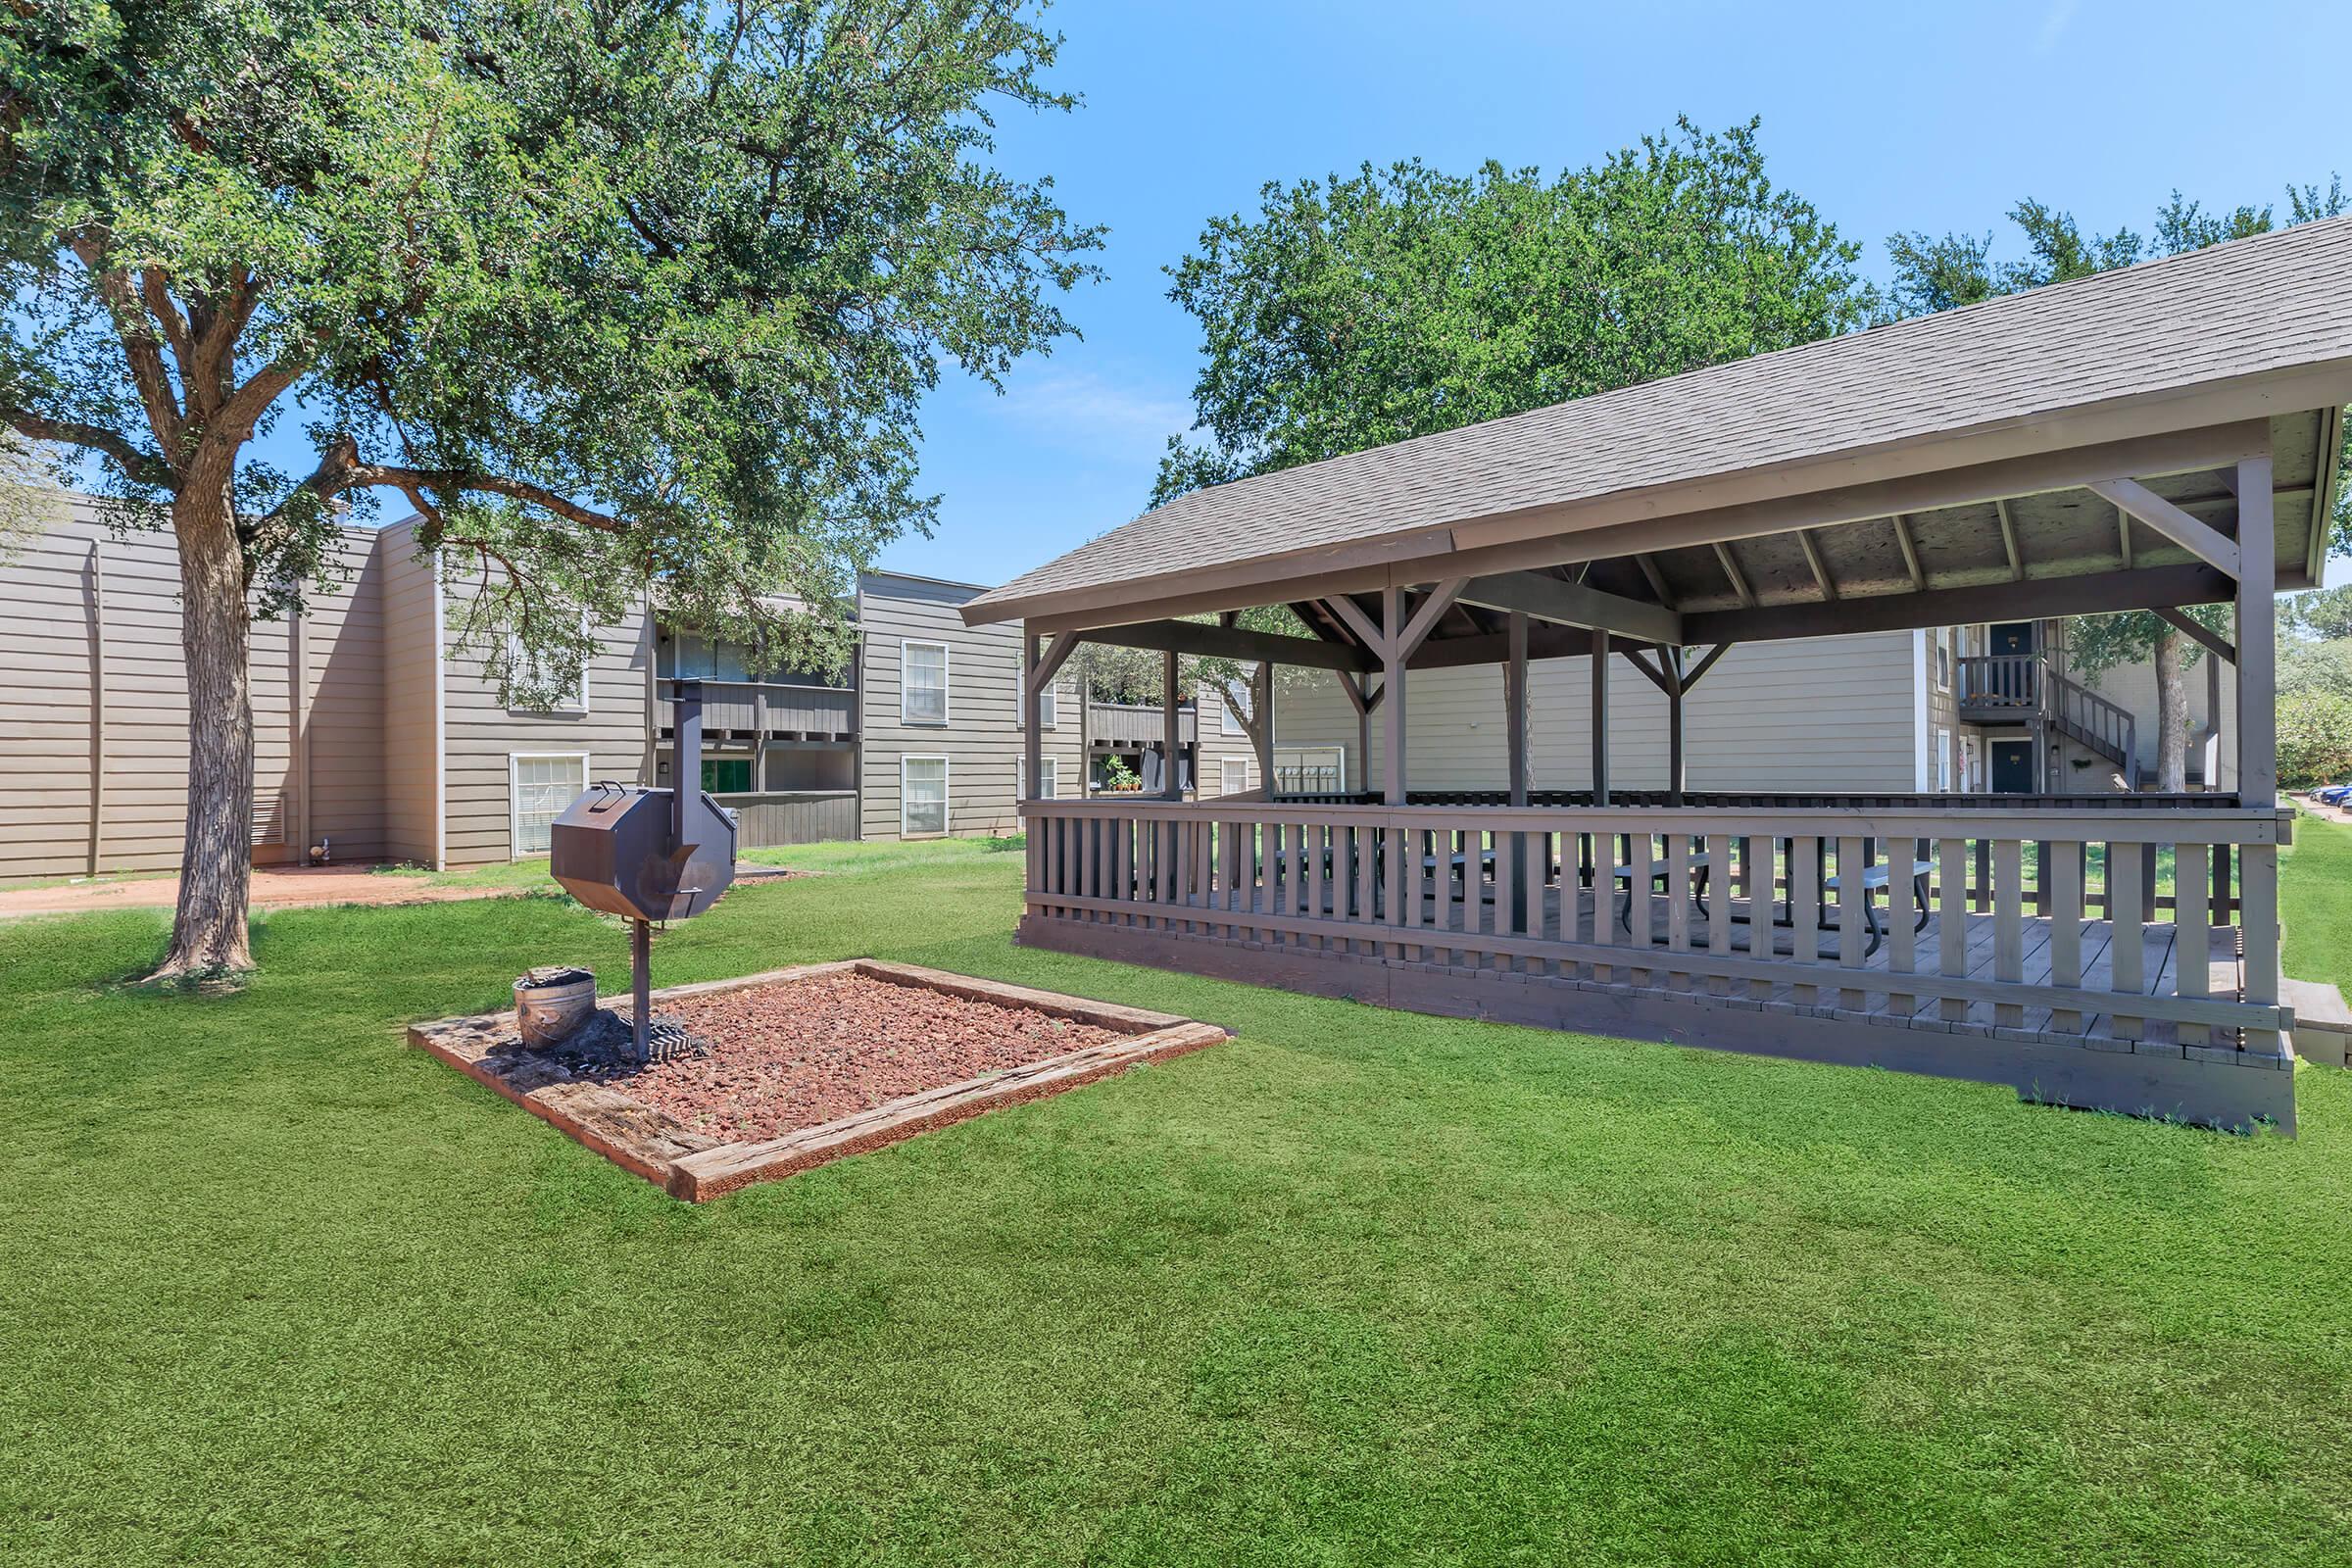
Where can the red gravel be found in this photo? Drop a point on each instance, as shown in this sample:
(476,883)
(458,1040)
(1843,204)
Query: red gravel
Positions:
(798,1052)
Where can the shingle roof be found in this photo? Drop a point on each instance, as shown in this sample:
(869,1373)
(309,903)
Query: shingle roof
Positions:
(2271,303)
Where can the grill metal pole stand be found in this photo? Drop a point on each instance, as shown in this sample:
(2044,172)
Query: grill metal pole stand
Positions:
(641,987)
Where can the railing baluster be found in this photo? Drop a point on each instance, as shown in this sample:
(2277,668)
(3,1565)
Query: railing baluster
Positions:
(1853,912)
(1804,911)
(1951,917)
(1643,933)
(1506,871)
(2192,945)
(2008,926)
(2064,868)
(1719,908)
(1605,899)
(2127,938)
(1678,903)
(1903,925)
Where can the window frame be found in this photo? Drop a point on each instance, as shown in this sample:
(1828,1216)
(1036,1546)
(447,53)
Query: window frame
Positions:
(946,682)
(559,709)
(947,806)
(1944,760)
(1229,719)
(1225,767)
(514,761)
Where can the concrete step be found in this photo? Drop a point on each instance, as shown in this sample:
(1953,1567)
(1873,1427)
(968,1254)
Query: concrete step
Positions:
(2323,1022)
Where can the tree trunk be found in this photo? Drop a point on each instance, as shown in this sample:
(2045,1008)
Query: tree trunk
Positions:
(208,932)
(2171,715)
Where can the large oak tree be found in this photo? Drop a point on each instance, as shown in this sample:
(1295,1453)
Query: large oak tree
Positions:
(615,293)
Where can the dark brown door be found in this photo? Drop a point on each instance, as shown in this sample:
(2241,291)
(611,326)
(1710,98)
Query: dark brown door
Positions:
(2012,767)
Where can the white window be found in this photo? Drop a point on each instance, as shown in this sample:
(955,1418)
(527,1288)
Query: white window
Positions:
(1972,771)
(922,796)
(1048,778)
(924,684)
(1236,775)
(1230,712)
(542,784)
(1944,761)
(1049,709)
(1943,657)
(533,687)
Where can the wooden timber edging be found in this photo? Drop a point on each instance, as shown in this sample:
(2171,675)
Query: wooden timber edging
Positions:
(697,1168)
(2206,1086)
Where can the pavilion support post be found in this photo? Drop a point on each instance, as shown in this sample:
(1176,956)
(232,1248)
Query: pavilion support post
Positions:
(1171,730)
(1262,733)
(1514,726)
(1033,713)
(1677,685)
(1393,653)
(2257,740)
(1600,716)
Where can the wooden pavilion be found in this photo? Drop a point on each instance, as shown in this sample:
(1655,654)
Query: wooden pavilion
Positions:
(2157,437)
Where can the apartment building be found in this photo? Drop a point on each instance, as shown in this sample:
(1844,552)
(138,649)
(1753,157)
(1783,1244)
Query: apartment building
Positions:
(376,738)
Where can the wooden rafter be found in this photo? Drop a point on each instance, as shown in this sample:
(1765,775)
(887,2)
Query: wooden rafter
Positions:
(2122,537)
(2093,594)
(1655,579)
(1910,549)
(1231,641)
(1821,567)
(2016,559)
(1733,574)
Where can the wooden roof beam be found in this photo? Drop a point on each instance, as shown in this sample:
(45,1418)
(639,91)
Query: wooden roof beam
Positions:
(2089,595)
(2016,559)
(1232,642)
(1548,598)
(1910,549)
(1655,579)
(1821,567)
(2201,540)
(1733,574)
(2205,636)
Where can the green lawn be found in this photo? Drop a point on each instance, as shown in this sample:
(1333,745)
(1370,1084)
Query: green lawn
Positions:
(1358,1287)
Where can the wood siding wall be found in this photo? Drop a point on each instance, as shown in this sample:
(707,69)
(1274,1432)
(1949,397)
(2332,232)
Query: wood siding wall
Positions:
(1818,713)
(410,705)
(981,739)
(95,705)
(482,735)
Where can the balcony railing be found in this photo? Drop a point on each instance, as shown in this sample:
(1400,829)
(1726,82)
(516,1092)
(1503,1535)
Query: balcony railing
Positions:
(1138,724)
(771,708)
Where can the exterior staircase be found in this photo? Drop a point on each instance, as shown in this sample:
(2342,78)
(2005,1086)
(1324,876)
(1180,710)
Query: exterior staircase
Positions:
(2023,689)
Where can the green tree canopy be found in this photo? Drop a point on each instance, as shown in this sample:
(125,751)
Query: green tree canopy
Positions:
(614,294)
(1347,312)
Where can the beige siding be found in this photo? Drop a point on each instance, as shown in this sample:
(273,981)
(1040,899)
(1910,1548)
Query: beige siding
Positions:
(1216,745)
(1817,713)
(981,740)
(76,590)
(483,735)
(412,700)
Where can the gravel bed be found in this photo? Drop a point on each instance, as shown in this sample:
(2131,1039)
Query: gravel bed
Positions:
(800,1053)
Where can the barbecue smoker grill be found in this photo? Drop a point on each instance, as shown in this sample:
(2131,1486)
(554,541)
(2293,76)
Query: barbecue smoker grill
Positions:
(649,855)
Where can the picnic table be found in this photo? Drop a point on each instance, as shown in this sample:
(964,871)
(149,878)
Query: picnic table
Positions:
(1875,878)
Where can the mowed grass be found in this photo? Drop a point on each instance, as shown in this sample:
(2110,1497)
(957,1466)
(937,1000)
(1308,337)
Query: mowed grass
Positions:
(1356,1287)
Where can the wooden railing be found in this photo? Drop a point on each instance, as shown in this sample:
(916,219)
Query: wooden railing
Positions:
(1538,890)
(1133,723)
(2104,726)
(771,708)
(767,818)
(2000,681)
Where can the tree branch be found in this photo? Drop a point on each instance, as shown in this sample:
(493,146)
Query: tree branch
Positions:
(136,332)
(445,479)
(143,468)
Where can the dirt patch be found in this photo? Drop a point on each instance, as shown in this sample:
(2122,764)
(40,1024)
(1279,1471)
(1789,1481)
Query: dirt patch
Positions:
(795,1054)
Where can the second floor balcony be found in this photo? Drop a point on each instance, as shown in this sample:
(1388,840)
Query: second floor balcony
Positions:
(769,709)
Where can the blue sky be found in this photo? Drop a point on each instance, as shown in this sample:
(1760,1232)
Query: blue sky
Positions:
(1887,117)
